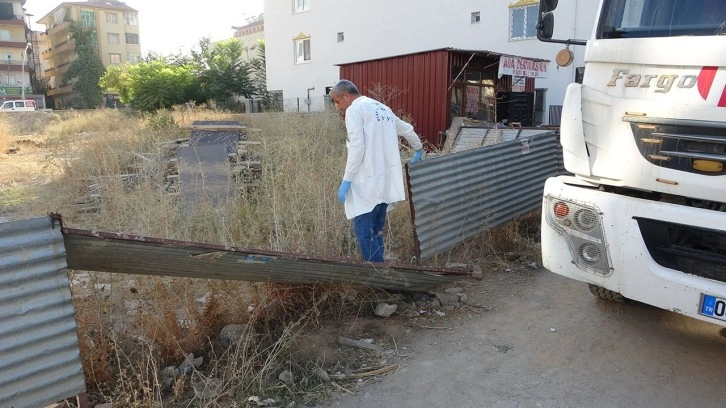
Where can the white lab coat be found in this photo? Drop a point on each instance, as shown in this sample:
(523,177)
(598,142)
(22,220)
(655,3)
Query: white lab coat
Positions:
(373,165)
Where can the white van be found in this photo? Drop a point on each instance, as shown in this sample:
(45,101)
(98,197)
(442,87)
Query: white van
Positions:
(27,105)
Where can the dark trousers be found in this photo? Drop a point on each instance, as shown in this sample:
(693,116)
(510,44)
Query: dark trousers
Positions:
(369,233)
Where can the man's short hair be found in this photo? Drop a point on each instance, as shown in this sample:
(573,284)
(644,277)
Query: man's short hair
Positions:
(345,87)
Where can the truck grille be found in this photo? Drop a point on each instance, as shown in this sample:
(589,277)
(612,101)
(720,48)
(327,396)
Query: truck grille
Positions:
(685,248)
(694,146)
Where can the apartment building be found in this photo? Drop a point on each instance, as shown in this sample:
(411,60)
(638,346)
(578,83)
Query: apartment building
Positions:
(117,40)
(16,51)
(308,40)
(249,35)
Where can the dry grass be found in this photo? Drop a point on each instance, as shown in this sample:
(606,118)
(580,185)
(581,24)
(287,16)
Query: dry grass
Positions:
(5,134)
(132,327)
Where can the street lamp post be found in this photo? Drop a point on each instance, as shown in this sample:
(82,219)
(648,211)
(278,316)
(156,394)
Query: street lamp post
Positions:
(22,70)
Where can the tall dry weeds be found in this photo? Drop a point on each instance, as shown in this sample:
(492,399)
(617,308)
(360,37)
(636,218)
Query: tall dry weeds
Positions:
(144,324)
(5,135)
(131,328)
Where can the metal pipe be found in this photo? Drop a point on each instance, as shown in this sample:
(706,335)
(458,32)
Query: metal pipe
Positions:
(22,71)
(308,100)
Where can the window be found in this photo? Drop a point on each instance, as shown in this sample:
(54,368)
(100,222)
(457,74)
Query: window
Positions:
(113,38)
(475,17)
(6,11)
(131,19)
(115,58)
(341,37)
(301,6)
(88,19)
(10,79)
(523,22)
(302,51)
(94,40)
(132,38)
(133,58)
(4,35)
(661,18)
(112,18)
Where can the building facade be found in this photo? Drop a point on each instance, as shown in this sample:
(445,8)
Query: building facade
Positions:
(307,40)
(16,51)
(116,28)
(250,34)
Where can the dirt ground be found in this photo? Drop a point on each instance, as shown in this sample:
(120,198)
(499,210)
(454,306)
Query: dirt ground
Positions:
(541,340)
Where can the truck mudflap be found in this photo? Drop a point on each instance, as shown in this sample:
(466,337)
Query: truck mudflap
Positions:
(666,255)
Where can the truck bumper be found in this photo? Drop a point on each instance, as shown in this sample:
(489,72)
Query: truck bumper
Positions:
(633,270)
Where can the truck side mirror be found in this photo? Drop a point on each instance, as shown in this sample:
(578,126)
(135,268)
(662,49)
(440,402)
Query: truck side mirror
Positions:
(545,6)
(546,25)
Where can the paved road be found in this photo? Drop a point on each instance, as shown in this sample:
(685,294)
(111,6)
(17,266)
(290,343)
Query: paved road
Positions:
(547,342)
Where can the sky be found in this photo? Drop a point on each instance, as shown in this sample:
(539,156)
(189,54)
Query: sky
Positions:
(168,26)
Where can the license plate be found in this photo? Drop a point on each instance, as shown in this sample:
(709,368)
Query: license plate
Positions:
(713,306)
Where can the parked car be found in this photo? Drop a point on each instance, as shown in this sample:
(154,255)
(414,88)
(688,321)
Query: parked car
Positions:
(27,105)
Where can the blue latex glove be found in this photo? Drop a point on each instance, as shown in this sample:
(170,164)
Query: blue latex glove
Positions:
(344,187)
(417,156)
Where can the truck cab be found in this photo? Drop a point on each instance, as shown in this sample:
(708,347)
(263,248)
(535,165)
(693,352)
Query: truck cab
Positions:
(643,213)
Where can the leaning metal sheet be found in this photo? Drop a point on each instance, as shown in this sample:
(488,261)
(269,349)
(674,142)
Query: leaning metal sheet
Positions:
(123,253)
(458,196)
(40,362)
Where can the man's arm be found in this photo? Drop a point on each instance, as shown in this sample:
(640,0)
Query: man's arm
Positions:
(405,130)
(356,143)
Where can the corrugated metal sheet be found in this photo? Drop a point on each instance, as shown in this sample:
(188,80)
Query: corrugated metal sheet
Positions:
(461,195)
(555,115)
(422,80)
(40,362)
(109,252)
(473,137)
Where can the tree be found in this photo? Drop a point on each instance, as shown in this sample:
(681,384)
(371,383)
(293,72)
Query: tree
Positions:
(224,73)
(258,68)
(86,70)
(152,84)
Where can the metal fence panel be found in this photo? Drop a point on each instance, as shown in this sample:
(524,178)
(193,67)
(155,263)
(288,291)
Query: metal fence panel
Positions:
(40,362)
(123,253)
(461,195)
(473,137)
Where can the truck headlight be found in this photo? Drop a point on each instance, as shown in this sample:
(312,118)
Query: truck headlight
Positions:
(581,227)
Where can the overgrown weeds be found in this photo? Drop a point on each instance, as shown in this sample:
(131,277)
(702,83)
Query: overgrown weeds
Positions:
(5,134)
(141,337)
(156,341)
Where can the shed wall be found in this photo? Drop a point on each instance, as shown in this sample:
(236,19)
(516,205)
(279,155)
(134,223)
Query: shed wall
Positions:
(413,86)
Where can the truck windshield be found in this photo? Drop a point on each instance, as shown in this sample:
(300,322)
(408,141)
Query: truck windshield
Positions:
(661,18)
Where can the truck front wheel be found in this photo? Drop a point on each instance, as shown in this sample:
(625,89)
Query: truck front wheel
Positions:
(606,294)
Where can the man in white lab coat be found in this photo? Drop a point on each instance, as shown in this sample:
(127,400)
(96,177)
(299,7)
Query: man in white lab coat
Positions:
(373,175)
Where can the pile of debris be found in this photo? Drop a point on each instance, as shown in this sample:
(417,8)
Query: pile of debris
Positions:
(216,162)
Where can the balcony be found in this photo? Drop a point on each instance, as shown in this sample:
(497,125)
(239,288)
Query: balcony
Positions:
(13,65)
(14,42)
(65,47)
(63,90)
(61,69)
(57,28)
(11,19)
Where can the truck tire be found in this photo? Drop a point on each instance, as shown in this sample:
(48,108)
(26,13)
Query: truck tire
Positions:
(606,294)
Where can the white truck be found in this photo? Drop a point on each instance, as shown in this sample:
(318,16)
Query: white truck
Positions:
(643,215)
